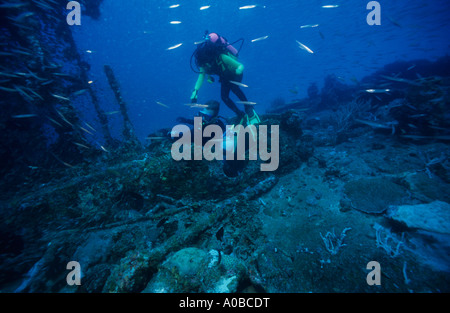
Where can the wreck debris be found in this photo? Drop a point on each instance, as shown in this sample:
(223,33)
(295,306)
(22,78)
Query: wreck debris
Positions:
(128,130)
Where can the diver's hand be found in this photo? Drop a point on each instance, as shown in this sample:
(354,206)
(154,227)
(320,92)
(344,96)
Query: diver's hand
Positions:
(240,70)
(194,96)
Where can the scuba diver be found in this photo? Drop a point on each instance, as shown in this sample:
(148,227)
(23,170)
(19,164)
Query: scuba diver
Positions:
(215,56)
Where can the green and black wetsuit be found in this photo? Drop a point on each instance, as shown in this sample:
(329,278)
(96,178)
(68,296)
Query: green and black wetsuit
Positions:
(228,69)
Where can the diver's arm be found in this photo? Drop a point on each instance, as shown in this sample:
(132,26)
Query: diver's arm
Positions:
(198,84)
(232,64)
(200,80)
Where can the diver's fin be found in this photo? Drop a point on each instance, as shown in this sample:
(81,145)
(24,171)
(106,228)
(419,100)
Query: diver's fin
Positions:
(254,119)
(246,121)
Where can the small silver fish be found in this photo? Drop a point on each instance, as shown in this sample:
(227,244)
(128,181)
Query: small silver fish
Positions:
(438,128)
(309,26)
(162,104)
(67,164)
(22,16)
(35,76)
(174,47)
(302,46)
(417,115)
(11,5)
(48,82)
(35,93)
(436,100)
(81,145)
(23,116)
(90,126)
(238,84)
(197,105)
(410,106)
(377,90)
(260,38)
(44,5)
(443,137)
(54,122)
(60,97)
(18,51)
(7,74)
(8,89)
(155,138)
(246,102)
(245,7)
(61,74)
(23,93)
(401,80)
(85,130)
(64,118)
(111,112)
(373,124)
(79,92)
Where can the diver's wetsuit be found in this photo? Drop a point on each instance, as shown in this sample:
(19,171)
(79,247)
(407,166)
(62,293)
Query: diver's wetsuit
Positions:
(225,89)
(225,67)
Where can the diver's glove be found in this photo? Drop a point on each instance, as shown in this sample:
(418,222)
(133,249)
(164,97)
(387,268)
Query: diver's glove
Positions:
(194,96)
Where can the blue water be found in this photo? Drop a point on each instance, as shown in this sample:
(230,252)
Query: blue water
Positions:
(133,36)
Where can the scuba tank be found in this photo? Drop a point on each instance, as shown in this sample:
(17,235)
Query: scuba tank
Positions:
(219,40)
(211,46)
